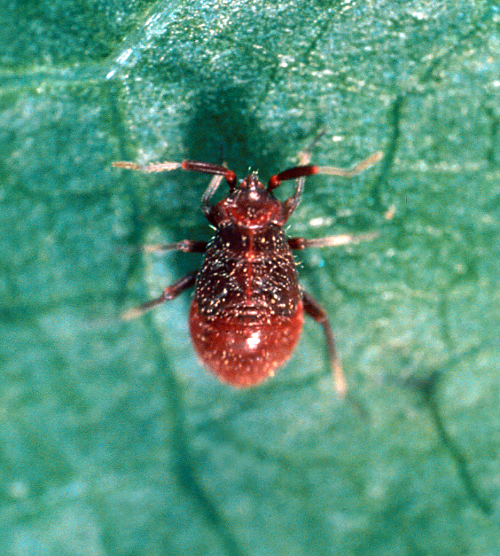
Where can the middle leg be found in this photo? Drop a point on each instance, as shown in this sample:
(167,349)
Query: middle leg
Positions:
(329,241)
(185,245)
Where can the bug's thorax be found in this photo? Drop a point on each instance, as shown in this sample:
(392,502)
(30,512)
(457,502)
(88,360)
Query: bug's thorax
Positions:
(250,206)
(248,276)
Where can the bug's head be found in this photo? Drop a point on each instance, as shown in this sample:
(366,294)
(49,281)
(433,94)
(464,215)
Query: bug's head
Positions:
(250,204)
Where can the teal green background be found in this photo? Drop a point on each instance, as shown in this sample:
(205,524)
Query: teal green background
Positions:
(113,439)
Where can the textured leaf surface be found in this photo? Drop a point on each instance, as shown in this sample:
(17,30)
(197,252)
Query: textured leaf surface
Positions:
(113,439)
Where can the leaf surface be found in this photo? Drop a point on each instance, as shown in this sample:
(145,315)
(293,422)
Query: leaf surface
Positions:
(114,439)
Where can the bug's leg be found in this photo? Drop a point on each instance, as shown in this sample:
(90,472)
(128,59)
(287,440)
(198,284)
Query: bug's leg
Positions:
(329,241)
(209,192)
(304,159)
(305,154)
(186,246)
(316,312)
(168,294)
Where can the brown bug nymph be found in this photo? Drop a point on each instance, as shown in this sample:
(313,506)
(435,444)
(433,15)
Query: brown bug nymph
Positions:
(248,308)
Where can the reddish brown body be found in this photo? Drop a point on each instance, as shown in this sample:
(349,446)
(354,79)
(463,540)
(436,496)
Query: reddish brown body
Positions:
(247,313)
(248,309)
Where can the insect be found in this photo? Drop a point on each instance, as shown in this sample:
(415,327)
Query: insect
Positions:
(247,312)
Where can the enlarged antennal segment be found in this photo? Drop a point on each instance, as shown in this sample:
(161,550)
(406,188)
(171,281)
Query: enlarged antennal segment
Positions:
(312,169)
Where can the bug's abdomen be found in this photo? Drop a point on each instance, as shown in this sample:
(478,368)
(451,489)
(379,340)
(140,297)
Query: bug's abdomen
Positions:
(242,354)
(246,315)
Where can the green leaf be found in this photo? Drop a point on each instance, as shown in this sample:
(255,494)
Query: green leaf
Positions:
(114,439)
